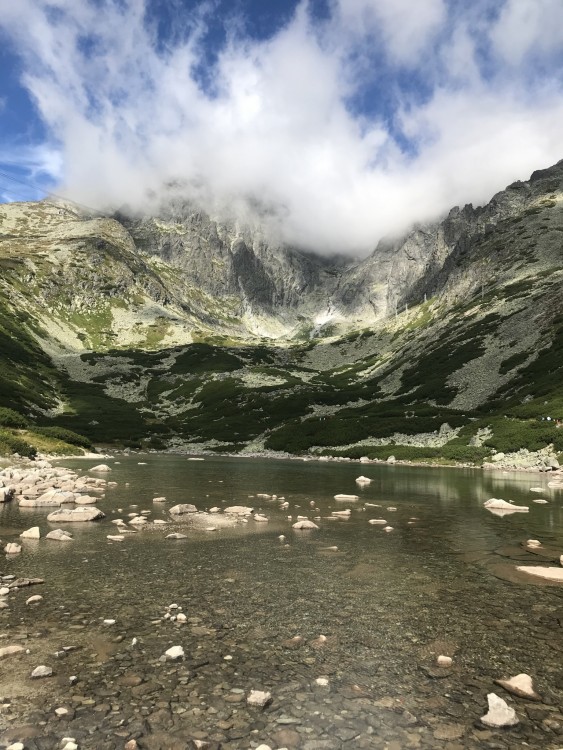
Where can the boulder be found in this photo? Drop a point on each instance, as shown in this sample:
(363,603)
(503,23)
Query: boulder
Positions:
(300,525)
(6,493)
(58,535)
(495,504)
(32,533)
(100,468)
(174,653)
(12,548)
(363,480)
(85,500)
(65,515)
(521,685)
(51,498)
(182,509)
(499,714)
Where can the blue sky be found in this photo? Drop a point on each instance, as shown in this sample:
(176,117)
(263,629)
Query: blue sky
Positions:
(332,122)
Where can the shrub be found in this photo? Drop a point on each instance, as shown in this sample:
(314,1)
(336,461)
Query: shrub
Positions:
(67,436)
(11,418)
(10,443)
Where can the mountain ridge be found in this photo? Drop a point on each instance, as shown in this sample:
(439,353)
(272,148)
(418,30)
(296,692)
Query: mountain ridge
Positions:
(200,333)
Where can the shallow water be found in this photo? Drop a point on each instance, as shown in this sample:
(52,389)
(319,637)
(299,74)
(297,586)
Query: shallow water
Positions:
(388,604)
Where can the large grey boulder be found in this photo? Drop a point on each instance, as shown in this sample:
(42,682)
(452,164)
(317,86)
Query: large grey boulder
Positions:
(73,515)
(51,498)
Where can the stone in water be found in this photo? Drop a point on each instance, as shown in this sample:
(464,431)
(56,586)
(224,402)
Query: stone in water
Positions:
(258,698)
(499,714)
(521,685)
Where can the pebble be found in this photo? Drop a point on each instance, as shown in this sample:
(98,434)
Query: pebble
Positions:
(499,714)
(34,599)
(444,661)
(173,653)
(258,698)
(42,671)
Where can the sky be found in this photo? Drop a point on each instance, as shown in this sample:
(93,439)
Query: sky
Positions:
(330,123)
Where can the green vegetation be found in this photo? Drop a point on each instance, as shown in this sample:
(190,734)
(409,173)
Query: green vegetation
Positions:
(11,418)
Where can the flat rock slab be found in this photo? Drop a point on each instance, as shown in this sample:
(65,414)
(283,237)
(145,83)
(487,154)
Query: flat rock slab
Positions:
(497,504)
(239,510)
(65,515)
(547,573)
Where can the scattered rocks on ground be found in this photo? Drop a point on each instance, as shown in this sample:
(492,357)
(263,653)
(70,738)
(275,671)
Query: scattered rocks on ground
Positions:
(42,671)
(522,685)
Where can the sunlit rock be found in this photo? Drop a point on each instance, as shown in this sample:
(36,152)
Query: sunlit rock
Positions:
(258,698)
(58,535)
(499,714)
(42,671)
(301,525)
(501,507)
(174,653)
(378,521)
(547,573)
(444,661)
(363,480)
(75,515)
(182,509)
(12,548)
(102,468)
(32,533)
(239,510)
(522,685)
(176,535)
(350,498)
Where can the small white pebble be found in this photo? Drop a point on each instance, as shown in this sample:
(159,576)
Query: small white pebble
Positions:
(322,681)
(109,622)
(444,661)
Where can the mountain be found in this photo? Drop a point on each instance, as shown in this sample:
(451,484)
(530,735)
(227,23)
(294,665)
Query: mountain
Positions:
(185,330)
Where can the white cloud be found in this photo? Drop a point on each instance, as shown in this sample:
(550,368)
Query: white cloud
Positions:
(528,27)
(277,131)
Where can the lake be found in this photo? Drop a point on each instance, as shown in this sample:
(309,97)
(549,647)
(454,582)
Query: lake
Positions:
(345,640)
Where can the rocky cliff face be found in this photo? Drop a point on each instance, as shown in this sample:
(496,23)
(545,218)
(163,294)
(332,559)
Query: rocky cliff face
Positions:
(202,330)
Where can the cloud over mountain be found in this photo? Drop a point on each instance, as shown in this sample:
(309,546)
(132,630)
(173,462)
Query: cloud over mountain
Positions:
(337,128)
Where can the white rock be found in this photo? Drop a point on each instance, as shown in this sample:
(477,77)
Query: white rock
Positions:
(258,698)
(350,498)
(10,651)
(4,591)
(444,661)
(70,746)
(176,652)
(85,500)
(58,535)
(16,746)
(378,521)
(497,504)
(138,521)
(160,522)
(322,681)
(388,529)
(176,535)
(304,525)
(363,480)
(34,599)
(12,548)
(61,711)
(263,747)
(215,509)
(239,510)
(102,468)
(533,543)
(115,537)
(181,617)
(75,515)
(109,622)
(259,518)
(182,509)
(32,533)
(536,489)
(159,499)
(42,671)
(547,573)
(540,501)
(522,685)
(499,714)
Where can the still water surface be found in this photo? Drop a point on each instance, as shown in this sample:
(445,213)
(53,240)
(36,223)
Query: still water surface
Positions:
(388,604)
